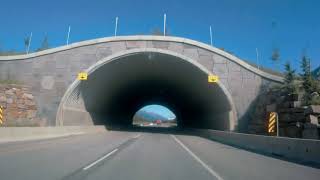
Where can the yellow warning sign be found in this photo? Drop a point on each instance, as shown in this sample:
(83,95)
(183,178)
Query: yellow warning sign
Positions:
(213,78)
(272,122)
(1,115)
(83,76)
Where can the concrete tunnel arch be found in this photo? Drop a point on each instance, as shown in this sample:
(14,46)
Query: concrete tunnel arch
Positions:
(196,103)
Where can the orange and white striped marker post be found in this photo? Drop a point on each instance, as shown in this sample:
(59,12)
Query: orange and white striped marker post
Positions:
(273,123)
(1,115)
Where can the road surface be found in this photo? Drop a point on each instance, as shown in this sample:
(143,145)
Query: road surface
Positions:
(140,155)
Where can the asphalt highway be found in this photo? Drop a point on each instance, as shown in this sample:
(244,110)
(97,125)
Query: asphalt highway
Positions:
(120,155)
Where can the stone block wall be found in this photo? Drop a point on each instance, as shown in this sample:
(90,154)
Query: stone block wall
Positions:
(51,72)
(311,127)
(295,120)
(19,106)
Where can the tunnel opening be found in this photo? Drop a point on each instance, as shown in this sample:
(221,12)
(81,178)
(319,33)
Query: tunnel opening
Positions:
(154,116)
(117,88)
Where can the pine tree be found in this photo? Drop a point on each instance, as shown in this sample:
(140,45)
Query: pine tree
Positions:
(44,44)
(307,83)
(26,42)
(275,57)
(289,86)
(156,32)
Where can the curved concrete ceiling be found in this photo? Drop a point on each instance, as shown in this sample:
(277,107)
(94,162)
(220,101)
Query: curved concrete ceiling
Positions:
(120,85)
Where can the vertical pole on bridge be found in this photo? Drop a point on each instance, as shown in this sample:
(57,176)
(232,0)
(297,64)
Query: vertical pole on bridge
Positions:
(30,38)
(164,24)
(68,35)
(116,27)
(210,36)
(257,53)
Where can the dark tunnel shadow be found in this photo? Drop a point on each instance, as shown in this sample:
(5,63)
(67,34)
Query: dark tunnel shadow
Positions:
(250,115)
(116,90)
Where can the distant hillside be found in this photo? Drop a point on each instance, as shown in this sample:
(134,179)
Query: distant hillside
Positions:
(10,53)
(316,73)
(150,116)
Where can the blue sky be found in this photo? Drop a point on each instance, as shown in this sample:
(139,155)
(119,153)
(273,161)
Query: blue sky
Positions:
(160,110)
(239,26)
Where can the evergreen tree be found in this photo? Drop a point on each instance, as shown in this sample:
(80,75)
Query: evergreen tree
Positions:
(289,85)
(307,80)
(26,42)
(156,32)
(44,44)
(275,57)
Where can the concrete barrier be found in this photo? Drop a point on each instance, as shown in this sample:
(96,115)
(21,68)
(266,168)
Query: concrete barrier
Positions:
(8,134)
(301,150)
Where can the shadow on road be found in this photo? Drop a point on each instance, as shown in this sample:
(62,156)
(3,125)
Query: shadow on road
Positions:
(189,132)
(160,130)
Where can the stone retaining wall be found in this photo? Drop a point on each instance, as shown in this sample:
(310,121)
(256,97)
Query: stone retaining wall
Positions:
(295,120)
(19,106)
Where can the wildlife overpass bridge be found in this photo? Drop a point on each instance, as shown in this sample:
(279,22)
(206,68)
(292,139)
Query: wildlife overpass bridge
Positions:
(126,73)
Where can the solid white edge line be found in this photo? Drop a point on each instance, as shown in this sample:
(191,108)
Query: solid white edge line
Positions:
(97,161)
(212,172)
